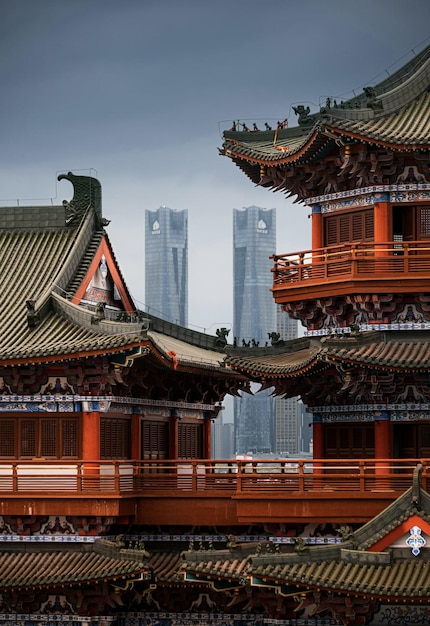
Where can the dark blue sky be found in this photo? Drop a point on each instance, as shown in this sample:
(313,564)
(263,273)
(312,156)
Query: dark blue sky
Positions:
(138,90)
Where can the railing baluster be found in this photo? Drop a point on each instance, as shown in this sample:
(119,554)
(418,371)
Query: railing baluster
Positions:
(117,484)
(239,478)
(79,473)
(300,477)
(15,478)
(362,470)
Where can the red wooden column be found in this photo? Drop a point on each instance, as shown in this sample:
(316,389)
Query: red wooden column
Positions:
(382,220)
(90,435)
(173,434)
(318,446)
(318,437)
(382,441)
(90,449)
(207,422)
(136,435)
(317,228)
(382,435)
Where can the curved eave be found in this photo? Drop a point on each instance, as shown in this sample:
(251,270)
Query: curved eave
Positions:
(370,580)
(384,351)
(63,568)
(181,356)
(277,366)
(376,362)
(67,332)
(68,356)
(405,130)
(268,154)
(376,141)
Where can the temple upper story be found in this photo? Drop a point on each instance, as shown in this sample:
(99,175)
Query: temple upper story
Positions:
(363,168)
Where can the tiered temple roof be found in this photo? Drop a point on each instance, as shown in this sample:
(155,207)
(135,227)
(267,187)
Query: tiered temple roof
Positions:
(27,566)
(395,351)
(57,314)
(391,115)
(379,560)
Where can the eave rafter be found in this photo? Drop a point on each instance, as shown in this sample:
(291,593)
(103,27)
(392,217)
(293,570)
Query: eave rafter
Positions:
(271,158)
(338,135)
(72,356)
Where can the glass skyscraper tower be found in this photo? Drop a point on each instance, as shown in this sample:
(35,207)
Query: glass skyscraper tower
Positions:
(254,316)
(166,264)
(287,414)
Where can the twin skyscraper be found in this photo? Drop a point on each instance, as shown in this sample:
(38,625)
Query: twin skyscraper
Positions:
(260,424)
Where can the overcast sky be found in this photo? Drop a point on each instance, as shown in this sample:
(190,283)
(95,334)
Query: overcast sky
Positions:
(140,90)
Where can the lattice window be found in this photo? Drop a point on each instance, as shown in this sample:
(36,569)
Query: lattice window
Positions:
(28,438)
(69,438)
(343,228)
(344,434)
(357,439)
(39,437)
(369,226)
(190,441)
(357,227)
(424,449)
(425,221)
(48,438)
(369,434)
(352,441)
(115,438)
(331,231)
(155,440)
(331,439)
(7,438)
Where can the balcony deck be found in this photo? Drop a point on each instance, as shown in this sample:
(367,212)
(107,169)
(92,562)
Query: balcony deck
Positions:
(207,492)
(344,269)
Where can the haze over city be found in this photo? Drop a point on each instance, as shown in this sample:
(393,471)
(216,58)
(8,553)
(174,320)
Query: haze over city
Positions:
(138,92)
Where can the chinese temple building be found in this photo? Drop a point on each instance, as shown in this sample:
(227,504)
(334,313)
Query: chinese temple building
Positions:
(112,511)
(90,389)
(362,291)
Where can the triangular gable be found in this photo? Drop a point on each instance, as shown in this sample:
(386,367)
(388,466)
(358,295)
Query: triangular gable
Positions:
(402,529)
(104,268)
(409,510)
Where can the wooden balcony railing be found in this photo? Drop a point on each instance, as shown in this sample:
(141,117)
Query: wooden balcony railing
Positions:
(347,263)
(50,479)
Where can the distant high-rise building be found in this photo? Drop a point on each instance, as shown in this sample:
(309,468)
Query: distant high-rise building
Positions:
(166,264)
(287,415)
(222,438)
(254,316)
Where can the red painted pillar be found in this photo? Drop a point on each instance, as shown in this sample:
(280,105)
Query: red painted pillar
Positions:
(90,435)
(318,447)
(136,435)
(318,437)
(317,228)
(382,222)
(173,434)
(90,449)
(382,429)
(207,422)
(382,435)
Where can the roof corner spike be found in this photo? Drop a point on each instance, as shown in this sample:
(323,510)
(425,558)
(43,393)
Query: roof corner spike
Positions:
(87,192)
(416,485)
